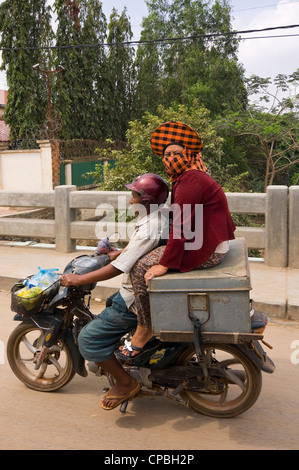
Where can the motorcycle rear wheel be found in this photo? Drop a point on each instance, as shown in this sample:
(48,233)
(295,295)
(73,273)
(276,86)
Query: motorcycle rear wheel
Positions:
(23,347)
(241,385)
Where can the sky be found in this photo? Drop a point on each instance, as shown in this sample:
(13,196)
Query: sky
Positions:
(262,57)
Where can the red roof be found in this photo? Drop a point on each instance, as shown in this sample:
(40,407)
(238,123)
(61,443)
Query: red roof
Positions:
(3,97)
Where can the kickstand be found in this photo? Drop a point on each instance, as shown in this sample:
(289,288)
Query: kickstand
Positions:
(123,406)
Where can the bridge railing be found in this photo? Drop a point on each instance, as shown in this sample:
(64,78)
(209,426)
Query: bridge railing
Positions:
(278,236)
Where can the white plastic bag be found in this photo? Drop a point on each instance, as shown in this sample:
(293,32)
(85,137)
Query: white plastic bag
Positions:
(43,279)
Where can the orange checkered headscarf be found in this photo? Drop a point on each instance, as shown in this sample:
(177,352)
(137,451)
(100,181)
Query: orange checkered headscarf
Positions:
(178,164)
(180,134)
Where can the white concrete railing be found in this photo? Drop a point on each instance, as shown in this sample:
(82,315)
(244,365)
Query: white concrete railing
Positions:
(279,237)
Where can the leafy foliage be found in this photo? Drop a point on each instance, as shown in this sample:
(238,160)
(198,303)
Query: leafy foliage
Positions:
(140,157)
(200,67)
(25,23)
(79,92)
(271,138)
(112,91)
(121,75)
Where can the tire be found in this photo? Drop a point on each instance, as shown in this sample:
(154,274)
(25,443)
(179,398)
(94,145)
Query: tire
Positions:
(241,382)
(22,348)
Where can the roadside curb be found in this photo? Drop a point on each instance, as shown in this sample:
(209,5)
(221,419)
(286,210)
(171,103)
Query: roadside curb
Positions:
(275,290)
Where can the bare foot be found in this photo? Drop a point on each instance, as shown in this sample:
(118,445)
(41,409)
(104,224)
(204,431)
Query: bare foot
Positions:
(141,336)
(119,392)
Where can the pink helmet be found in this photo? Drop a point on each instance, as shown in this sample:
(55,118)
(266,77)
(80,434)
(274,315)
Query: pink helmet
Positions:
(151,188)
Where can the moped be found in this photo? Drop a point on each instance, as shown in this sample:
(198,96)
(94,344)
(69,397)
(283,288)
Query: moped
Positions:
(208,353)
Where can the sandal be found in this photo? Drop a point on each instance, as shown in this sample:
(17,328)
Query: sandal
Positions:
(129,347)
(120,398)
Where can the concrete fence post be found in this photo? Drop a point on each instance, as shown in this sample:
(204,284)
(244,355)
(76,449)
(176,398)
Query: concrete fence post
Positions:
(294,227)
(68,171)
(64,216)
(46,164)
(276,242)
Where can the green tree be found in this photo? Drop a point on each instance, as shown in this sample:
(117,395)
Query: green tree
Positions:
(121,75)
(201,67)
(270,135)
(96,70)
(139,158)
(149,62)
(80,93)
(25,27)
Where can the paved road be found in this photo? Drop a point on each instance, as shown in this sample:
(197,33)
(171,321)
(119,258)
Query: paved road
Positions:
(73,419)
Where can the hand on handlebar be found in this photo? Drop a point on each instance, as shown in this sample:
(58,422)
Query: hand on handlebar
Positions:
(114,254)
(68,280)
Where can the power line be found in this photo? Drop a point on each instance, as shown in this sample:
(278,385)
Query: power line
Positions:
(158,41)
(270,37)
(263,6)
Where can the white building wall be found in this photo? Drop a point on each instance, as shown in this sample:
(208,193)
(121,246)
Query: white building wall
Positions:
(26,170)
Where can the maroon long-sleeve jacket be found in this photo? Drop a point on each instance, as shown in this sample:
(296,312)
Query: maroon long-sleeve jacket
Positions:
(201,225)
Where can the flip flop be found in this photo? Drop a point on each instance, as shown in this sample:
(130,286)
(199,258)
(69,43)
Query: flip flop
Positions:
(129,347)
(121,398)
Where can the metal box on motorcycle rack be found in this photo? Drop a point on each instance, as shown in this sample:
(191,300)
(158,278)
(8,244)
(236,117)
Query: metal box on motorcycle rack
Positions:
(218,297)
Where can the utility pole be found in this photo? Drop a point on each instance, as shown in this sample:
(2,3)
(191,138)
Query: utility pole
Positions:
(47,73)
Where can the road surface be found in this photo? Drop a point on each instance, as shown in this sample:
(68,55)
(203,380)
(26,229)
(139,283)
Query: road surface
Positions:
(72,418)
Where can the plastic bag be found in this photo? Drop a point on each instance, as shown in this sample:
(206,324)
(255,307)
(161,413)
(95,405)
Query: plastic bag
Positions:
(28,293)
(43,279)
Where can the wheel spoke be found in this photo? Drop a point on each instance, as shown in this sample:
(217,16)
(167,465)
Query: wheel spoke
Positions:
(28,345)
(56,369)
(42,370)
(31,359)
(235,379)
(223,396)
(56,364)
(237,383)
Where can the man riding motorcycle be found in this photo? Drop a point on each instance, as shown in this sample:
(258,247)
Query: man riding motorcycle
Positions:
(98,339)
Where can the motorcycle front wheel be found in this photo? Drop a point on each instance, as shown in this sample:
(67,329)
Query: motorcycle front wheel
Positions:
(23,348)
(235,389)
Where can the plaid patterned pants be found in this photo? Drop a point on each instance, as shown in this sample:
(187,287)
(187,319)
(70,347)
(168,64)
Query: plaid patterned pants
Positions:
(139,286)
